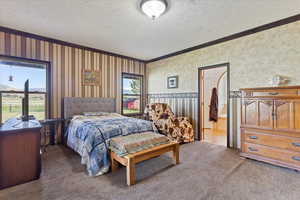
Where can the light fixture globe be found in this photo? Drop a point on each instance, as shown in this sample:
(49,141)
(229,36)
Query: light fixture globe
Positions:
(154,8)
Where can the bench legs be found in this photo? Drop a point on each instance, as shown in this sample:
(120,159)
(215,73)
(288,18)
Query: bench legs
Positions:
(130,171)
(176,154)
(114,164)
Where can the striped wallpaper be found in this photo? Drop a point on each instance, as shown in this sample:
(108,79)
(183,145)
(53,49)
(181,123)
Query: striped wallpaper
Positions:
(67,64)
(182,104)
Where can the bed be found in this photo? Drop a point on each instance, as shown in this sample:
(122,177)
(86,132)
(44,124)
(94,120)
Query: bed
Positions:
(89,134)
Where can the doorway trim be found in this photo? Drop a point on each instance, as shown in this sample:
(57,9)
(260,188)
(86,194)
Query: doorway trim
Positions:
(200,69)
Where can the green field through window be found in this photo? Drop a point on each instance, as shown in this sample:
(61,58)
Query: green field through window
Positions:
(14,72)
(12,105)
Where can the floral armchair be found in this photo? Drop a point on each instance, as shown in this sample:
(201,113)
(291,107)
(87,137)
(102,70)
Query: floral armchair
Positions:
(176,128)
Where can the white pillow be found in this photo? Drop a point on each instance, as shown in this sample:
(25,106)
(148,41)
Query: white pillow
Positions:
(95,113)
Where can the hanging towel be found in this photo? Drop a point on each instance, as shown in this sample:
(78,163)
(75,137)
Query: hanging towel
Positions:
(213,109)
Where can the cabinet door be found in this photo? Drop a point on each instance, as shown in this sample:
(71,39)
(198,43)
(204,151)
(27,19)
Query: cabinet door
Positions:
(296,107)
(249,113)
(287,115)
(265,110)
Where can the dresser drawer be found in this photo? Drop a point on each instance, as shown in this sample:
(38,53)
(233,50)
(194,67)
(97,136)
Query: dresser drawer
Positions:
(288,143)
(273,153)
(272,93)
(277,93)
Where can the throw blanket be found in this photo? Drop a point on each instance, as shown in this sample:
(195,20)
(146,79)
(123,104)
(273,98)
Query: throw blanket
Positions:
(123,146)
(213,109)
(90,136)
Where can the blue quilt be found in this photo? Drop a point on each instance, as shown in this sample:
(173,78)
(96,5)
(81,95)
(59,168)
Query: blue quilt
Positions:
(90,136)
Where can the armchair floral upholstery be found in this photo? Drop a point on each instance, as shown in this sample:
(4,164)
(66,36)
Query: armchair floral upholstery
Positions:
(176,128)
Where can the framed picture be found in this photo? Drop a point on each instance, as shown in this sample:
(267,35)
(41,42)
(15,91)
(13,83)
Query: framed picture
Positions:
(172,82)
(91,77)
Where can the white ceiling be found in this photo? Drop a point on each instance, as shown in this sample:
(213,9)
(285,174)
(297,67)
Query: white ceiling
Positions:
(119,27)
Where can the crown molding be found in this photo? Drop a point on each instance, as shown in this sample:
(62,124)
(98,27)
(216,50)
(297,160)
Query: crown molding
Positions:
(231,37)
(204,45)
(61,42)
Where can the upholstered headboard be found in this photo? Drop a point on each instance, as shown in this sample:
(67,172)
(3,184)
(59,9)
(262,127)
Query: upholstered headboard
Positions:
(77,105)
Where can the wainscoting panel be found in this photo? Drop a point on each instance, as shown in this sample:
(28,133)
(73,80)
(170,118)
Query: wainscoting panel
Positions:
(182,104)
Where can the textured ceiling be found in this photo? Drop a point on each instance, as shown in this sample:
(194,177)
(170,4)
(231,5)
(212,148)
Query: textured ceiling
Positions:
(119,27)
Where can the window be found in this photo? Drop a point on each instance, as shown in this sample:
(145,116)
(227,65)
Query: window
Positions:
(132,94)
(14,72)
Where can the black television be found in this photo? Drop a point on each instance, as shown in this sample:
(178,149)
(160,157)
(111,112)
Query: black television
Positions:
(25,102)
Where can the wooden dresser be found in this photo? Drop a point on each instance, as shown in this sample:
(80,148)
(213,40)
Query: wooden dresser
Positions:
(270,125)
(20,158)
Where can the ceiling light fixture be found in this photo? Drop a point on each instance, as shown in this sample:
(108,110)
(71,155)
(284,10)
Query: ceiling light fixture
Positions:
(154,8)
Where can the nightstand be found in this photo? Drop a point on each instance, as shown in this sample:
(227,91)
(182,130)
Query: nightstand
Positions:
(49,131)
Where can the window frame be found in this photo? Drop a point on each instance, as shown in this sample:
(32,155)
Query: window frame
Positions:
(28,62)
(138,76)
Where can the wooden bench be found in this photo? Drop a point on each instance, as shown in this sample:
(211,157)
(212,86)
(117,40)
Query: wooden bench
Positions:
(131,159)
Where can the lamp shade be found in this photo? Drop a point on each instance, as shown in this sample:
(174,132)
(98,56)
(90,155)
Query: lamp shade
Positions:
(153,8)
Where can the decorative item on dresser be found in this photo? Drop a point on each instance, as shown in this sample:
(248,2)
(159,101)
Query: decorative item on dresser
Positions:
(270,125)
(20,158)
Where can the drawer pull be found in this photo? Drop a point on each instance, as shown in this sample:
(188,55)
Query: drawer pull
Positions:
(273,93)
(296,144)
(253,137)
(252,149)
(297,158)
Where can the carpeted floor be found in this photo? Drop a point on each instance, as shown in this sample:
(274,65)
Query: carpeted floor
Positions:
(206,172)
